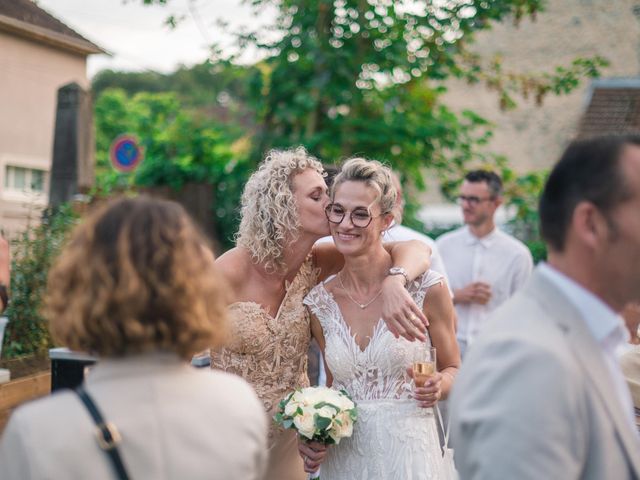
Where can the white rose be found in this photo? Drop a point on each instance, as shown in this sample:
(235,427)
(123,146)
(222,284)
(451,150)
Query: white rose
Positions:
(319,394)
(304,423)
(342,430)
(309,396)
(291,407)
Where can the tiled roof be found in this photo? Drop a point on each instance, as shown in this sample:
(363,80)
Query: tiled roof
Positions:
(36,22)
(614,108)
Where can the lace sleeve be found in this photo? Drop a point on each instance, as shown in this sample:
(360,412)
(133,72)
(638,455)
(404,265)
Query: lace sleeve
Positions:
(418,288)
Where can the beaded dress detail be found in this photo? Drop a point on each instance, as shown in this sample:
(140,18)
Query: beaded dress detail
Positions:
(271,354)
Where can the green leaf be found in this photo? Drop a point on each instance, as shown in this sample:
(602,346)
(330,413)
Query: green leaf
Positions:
(321,423)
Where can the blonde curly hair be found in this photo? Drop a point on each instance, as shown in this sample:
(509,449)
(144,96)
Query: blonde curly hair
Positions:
(269,213)
(136,276)
(375,175)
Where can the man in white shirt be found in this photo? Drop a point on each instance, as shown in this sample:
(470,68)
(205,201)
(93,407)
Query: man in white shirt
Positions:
(541,394)
(485,265)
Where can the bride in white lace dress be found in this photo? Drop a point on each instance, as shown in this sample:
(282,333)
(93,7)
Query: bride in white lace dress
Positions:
(396,434)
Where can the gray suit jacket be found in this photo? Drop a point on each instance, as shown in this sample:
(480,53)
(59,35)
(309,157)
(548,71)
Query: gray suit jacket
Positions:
(534,398)
(176,422)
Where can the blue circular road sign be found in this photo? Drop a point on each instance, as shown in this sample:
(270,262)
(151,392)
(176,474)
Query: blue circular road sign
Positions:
(125,153)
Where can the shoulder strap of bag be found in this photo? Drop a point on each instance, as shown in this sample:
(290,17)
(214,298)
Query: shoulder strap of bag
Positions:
(107,434)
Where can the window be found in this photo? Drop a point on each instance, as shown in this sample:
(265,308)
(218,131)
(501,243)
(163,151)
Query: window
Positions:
(24,179)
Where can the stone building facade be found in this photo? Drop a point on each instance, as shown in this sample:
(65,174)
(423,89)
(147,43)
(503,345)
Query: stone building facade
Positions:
(532,137)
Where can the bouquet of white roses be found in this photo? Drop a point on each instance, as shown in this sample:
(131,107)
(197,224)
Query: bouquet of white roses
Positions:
(319,414)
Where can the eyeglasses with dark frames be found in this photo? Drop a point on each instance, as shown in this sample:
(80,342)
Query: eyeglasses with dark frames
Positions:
(359,216)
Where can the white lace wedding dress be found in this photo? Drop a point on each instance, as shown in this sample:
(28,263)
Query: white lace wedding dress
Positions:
(393,438)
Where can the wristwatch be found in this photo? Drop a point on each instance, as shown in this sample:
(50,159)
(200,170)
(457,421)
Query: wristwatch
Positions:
(400,271)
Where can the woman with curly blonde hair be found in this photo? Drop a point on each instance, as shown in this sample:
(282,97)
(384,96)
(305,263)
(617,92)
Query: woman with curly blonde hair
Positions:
(137,286)
(273,266)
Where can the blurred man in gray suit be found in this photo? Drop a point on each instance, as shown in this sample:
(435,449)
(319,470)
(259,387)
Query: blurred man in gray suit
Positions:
(541,394)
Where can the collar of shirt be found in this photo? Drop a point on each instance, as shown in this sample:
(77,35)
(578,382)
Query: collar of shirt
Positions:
(605,325)
(485,241)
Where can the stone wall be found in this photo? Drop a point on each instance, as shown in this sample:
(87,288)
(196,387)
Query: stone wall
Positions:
(533,137)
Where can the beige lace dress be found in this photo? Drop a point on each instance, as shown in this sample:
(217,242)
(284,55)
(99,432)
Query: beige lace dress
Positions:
(271,354)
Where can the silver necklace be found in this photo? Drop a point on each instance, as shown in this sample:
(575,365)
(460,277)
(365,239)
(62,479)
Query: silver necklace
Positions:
(361,305)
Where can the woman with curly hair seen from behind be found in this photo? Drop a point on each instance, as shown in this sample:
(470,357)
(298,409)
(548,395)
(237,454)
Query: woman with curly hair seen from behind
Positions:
(137,286)
(273,266)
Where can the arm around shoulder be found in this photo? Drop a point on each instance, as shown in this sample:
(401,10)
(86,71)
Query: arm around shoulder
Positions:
(327,259)
(413,256)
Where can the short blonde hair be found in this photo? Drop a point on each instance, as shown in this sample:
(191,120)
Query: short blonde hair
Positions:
(375,175)
(136,276)
(269,213)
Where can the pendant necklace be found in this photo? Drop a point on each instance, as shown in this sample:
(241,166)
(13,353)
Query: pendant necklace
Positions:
(361,305)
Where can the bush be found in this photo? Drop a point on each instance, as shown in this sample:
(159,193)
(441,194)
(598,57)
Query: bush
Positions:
(524,194)
(33,253)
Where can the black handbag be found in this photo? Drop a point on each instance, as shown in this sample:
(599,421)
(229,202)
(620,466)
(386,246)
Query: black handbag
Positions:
(107,434)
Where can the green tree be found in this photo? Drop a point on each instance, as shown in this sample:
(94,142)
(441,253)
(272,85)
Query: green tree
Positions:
(208,84)
(346,77)
(360,76)
(181,146)
(523,193)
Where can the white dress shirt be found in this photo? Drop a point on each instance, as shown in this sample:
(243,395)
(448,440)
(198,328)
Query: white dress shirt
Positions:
(606,327)
(498,259)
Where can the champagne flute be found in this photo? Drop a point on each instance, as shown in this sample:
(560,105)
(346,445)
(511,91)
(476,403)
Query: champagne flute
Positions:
(424,364)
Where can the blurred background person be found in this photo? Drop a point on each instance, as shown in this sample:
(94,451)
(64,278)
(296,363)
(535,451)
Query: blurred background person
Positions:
(485,265)
(137,286)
